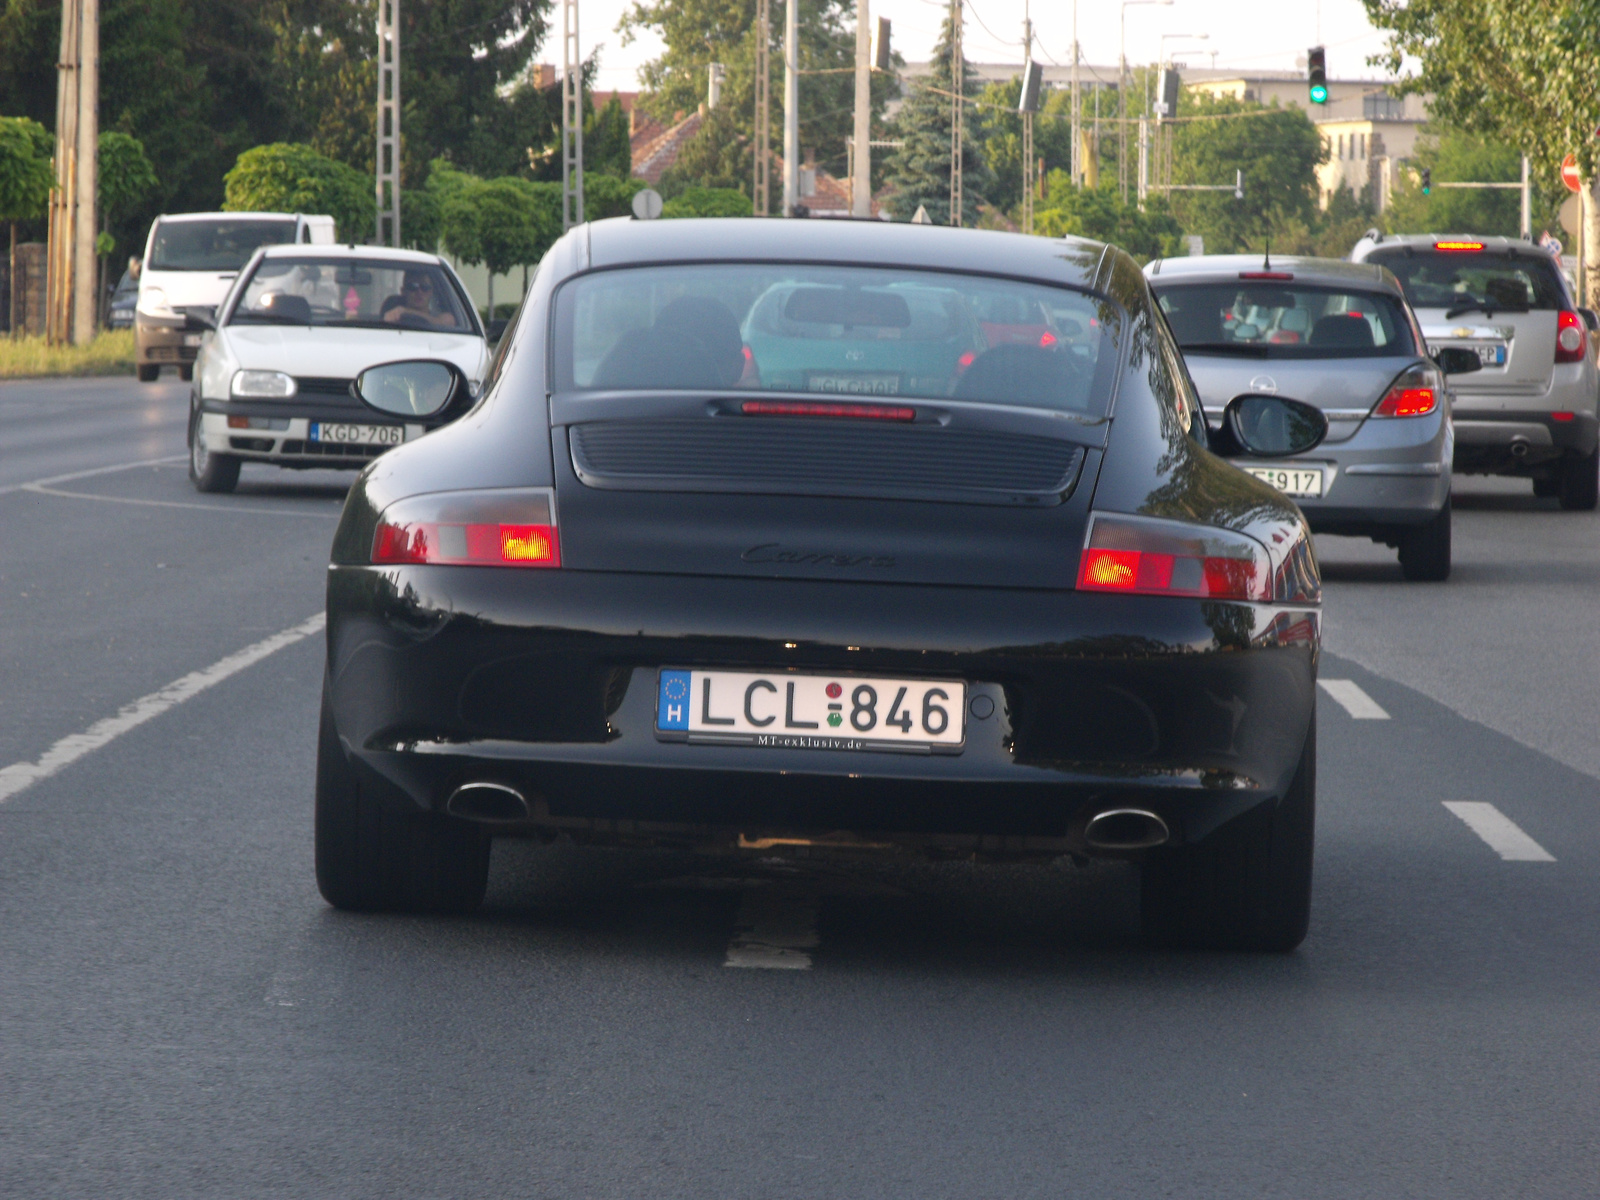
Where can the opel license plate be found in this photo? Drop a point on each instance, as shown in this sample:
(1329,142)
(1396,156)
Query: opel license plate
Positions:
(327,432)
(1291,481)
(811,712)
(857,383)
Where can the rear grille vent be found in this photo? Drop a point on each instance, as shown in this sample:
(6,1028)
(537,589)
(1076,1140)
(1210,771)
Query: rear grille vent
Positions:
(824,458)
(313,385)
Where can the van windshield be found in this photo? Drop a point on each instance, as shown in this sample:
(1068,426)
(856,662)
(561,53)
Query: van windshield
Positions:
(841,330)
(224,244)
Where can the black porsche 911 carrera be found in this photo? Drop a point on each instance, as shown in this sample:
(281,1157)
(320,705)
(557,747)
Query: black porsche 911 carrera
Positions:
(864,538)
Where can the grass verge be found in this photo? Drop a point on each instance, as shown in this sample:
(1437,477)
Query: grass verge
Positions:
(110,353)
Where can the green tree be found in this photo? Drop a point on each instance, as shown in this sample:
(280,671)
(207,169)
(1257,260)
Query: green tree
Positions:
(609,195)
(125,179)
(1456,156)
(918,171)
(284,177)
(1100,214)
(1278,149)
(999,127)
(26,176)
(500,223)
(606,146)
(717,156)
(1520,72)
(708,202)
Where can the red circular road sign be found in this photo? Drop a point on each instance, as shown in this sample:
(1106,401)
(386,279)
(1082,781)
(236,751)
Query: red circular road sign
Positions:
(1569,173)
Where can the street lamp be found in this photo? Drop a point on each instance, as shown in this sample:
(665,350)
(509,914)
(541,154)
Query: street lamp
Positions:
(1122,95)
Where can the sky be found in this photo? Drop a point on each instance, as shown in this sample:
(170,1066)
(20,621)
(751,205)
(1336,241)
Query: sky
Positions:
(1245,34)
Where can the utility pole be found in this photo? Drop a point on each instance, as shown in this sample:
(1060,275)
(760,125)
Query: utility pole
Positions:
(861,160)
(1028,105)
(388,158)
(1527,204)
(1077,106)
(571,118)
(763,155)
(1144,161)
(70,275)
(791,106)
(958,79)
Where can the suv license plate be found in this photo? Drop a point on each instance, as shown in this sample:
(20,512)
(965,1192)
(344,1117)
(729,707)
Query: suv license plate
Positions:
(811,712)
(1297,481)
(357,435)
(1493,354)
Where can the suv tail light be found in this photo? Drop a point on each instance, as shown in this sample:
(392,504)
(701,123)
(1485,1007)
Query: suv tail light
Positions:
(1150,557)
(1414,394)
(511,528)
(1572,340)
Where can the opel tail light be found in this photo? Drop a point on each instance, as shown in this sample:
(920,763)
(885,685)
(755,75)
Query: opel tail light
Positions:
(1571,338)
(510,528)
(1151,557)
(1414,394)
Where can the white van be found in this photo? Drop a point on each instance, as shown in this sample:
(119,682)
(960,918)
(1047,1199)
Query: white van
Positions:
(190,262)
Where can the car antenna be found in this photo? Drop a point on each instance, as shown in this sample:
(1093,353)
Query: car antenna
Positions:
(1266,257)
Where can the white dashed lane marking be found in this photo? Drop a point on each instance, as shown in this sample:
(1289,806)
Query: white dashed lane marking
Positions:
(71,748)
(775,928)
(1353,700)
(1499,831)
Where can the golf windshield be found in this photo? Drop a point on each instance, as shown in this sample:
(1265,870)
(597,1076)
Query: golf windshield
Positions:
(323,290)
(840,331)
(1276,320)
(223,244)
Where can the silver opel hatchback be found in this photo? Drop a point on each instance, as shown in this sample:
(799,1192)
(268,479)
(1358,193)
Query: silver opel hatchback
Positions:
(1340,336)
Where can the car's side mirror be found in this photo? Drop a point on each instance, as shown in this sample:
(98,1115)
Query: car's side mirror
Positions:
(1591,319)
(1269,427)
(1457,360)
(200,318)
(495,329)
(417,388)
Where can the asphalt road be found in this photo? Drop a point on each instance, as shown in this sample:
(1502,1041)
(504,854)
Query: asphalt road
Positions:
(180,1015)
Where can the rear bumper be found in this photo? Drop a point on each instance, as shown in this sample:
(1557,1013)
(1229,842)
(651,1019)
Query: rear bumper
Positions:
(545,682)
(1497,442)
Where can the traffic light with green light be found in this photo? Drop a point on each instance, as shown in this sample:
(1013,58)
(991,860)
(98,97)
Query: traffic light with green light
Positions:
(1427,181)
(1317,74)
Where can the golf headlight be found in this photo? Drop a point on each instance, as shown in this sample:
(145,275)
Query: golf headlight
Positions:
(262,385)
(153,303)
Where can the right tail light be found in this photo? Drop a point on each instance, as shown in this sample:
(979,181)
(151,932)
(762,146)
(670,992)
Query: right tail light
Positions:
(1414,394)
(509,528)
(1152,557)
(1572,340)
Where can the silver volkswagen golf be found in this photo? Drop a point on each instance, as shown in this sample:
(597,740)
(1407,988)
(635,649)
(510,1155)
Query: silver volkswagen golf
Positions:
(1340,336)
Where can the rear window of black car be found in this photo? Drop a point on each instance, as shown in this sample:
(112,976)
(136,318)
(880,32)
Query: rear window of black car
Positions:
(1482,279)
(1286,320)
(845,331)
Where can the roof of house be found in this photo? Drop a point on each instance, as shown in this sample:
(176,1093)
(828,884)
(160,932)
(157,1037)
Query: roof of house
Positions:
(655,152)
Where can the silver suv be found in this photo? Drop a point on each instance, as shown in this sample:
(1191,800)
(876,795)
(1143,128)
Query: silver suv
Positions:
(1338,336)
(1531,411)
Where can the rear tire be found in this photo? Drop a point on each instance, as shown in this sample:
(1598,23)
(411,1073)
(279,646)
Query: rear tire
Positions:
(1546,486)
(148,372)
(1425,549)
(207,471)
(1248,885)
(387,857)
(1580,482)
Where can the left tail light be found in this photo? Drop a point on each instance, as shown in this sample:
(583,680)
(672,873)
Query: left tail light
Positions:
(1572,340)
(510,528)
(1415,393)
(1151,557)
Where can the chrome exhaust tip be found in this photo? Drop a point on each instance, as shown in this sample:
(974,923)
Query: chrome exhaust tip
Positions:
(484,801)
(1519,447)
(1122,829)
